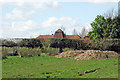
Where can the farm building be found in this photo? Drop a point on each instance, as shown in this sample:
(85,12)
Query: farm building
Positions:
(58,34)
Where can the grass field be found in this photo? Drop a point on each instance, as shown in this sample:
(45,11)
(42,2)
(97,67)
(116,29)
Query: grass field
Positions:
(49,66)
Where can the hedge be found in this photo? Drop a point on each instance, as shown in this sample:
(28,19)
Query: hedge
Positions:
(33,43)
(87,44)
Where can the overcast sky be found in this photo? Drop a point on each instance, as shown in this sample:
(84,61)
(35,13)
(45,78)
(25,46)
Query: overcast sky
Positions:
(31,18)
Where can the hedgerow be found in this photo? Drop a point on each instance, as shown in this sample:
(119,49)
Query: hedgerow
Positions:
(93,44)
(33,43)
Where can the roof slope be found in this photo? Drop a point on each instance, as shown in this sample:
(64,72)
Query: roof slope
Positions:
(59,34)
(59,30)
(45,37)
(73,36)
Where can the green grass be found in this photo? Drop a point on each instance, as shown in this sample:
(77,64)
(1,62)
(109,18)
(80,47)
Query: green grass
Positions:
(49,66)
(0,68)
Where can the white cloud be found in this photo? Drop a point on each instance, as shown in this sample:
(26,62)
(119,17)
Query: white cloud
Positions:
(67,22)
(58,22)
(22,26)
(88,26)
(19,14)
(12,2)
(91,1)
(1,32)
(50,22)
(103,1)
(18,29)
(52,2)
(45,4)
(34,34)
(30,28)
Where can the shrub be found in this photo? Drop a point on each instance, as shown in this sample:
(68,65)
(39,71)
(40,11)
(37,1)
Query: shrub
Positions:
(50,51)
(10,51)
(4,52)
(7,43)
(115,45)
(94,44)
(28,52)
(104,44)
(67,43)
(33,43)
(45,44)
(43,54)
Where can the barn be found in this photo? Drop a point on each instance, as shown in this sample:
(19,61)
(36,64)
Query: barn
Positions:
(58,34)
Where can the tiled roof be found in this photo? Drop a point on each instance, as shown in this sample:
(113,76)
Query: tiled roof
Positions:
(51,36)
(86,37)
(58,34)
(45,36)
(73,36)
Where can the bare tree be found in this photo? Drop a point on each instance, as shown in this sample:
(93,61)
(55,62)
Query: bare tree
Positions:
(111,13)
(62,28)
(75,32)
(83,32)
(119,8)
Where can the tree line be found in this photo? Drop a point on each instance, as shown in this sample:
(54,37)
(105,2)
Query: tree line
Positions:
(105,28)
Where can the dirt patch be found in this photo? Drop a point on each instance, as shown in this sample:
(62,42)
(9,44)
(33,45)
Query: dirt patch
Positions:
(86,72)
(88,54)
(47,73)
(28,76)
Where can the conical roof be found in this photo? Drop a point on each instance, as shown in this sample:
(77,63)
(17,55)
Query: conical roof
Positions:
(59,34)
(59,30)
